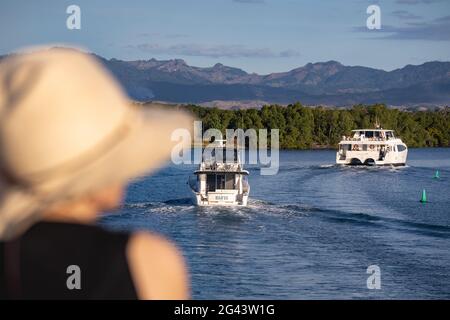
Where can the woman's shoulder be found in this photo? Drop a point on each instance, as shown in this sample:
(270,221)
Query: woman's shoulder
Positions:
(157,267)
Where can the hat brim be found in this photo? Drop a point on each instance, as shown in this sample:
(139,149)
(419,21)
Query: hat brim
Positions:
(145,148)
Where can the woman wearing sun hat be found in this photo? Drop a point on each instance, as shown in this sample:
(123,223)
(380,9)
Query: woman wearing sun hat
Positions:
(69,142)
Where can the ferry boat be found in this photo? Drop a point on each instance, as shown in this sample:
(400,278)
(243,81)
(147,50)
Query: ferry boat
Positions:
(372,147)
(220,181)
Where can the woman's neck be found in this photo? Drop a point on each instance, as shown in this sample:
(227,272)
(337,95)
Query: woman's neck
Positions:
(73,212)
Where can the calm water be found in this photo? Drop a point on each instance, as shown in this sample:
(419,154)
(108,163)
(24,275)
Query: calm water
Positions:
(310,231)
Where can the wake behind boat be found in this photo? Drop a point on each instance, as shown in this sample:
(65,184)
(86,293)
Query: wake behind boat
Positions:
(372,147)
(220,181)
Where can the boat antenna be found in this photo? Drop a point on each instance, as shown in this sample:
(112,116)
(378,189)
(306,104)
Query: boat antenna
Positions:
(377,123)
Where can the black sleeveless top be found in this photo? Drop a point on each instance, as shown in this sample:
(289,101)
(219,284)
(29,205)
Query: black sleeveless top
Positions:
(66,261)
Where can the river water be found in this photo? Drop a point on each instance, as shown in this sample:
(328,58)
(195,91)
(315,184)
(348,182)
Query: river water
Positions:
(310,231)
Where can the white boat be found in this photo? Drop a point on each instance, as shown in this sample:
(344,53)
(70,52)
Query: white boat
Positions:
(220,181)
(372,147)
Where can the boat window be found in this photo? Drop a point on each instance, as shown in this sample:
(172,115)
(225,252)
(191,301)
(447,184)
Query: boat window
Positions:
(369,134)
(401,148)
(220,184)
(211,182)
(346,147)
(389,135)
(356,147)
(229,181)
(364,147)
(377,134)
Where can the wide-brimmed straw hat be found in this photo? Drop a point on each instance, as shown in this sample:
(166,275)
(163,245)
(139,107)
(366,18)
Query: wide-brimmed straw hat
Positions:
(67,128)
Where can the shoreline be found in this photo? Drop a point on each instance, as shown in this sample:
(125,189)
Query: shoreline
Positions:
(331,148)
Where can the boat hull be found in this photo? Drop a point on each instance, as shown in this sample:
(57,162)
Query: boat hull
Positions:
(376,165)
(217,200)
(372,158)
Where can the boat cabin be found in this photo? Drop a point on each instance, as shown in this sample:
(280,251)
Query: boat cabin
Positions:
(371,135)
(220,178)
(371,146)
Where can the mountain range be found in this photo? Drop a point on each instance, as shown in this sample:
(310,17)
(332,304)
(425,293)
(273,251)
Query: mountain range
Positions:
(323,83)
(329,83)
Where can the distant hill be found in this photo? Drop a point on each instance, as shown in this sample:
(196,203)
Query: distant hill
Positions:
(326,83)
(329,83)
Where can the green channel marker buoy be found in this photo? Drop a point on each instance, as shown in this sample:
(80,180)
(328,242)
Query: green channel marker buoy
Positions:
(424,196)
(437,175)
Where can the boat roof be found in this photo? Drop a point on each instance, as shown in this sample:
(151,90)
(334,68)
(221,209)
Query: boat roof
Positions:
(357,130)
(244,172)
(382,142)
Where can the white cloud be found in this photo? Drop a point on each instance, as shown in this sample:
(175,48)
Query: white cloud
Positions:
(215,51)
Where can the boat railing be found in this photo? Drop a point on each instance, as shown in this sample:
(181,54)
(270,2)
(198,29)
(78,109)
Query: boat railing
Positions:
(350,139)
(245,187)
(219,166)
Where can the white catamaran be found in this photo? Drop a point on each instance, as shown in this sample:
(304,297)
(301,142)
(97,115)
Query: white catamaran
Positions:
(220,181)
(372,147)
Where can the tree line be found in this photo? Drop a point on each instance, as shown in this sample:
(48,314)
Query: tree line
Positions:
(303,127)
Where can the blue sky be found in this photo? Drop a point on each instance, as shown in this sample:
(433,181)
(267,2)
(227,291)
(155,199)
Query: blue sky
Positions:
(259,36)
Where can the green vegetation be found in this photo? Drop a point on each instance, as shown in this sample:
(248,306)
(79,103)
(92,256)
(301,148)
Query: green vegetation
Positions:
(305,127)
